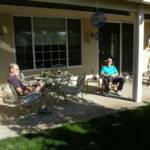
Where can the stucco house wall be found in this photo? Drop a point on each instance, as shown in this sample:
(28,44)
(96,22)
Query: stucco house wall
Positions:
(89,44)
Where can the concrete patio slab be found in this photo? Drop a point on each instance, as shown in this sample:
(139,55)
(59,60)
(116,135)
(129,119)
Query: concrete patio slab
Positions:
(64,111)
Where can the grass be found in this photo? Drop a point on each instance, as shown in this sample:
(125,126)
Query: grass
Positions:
(122,131)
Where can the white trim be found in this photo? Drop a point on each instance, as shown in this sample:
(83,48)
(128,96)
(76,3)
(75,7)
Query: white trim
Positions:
(67,55)
(113,21)
(121,38)
(75,66)
(33,42)
(138,56)
(146,1)
(51,16)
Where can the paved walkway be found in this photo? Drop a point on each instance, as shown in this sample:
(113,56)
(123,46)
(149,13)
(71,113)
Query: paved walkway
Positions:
(64,111)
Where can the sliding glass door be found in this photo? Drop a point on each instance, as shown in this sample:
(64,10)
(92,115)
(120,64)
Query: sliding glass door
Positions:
(127,47)
(109,43)
(116,41)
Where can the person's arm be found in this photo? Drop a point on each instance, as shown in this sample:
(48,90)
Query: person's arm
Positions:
(102,72)
(104,75)
(20,91)
(115,72)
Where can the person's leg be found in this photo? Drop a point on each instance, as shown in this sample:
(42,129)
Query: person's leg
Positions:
(106,81)
(119,80)
(44,93)
(41,88)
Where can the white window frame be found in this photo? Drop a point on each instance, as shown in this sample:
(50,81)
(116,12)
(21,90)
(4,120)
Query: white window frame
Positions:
(33,41)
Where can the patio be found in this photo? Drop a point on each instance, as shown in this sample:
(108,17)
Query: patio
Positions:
(64,111)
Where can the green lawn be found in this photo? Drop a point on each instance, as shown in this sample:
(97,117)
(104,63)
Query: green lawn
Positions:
(121,131)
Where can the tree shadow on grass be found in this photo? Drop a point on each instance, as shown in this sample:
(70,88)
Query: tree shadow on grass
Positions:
(123,130)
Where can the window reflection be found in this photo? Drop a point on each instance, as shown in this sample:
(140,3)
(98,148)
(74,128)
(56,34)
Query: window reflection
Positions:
(46,40)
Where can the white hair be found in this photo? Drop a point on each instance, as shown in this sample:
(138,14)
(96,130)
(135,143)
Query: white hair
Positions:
(12,66)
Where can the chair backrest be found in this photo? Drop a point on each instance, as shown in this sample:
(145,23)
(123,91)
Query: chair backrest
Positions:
(14,92)
(81,81)
(24,100)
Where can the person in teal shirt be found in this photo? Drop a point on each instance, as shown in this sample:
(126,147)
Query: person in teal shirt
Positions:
(109,70)
(110,73)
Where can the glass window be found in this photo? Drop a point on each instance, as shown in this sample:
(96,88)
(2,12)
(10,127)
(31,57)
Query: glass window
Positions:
(49,46)
(50,40)
(23,42)
(127,49)
(74,42)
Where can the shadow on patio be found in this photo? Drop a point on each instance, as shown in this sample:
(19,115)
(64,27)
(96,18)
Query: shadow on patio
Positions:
(63,111)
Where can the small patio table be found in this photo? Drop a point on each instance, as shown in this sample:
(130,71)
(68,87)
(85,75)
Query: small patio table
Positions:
(51,81)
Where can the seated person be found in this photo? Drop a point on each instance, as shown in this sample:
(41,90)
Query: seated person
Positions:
(110,73)
(22,90)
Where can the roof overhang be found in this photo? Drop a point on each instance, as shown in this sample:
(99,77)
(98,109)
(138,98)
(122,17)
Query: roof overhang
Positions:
(54,5)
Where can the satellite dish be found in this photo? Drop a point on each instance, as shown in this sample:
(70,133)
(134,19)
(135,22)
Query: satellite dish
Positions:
(98,19)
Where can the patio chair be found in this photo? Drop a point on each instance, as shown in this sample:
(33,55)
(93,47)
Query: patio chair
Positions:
(73,90)
(93,79)
(54,86)
(112,85)
(25,101)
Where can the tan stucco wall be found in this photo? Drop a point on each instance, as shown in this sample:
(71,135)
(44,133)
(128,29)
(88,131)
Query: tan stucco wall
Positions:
(90,55)
(6,50)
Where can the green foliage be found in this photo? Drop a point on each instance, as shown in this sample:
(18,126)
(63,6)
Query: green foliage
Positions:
(46,73)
